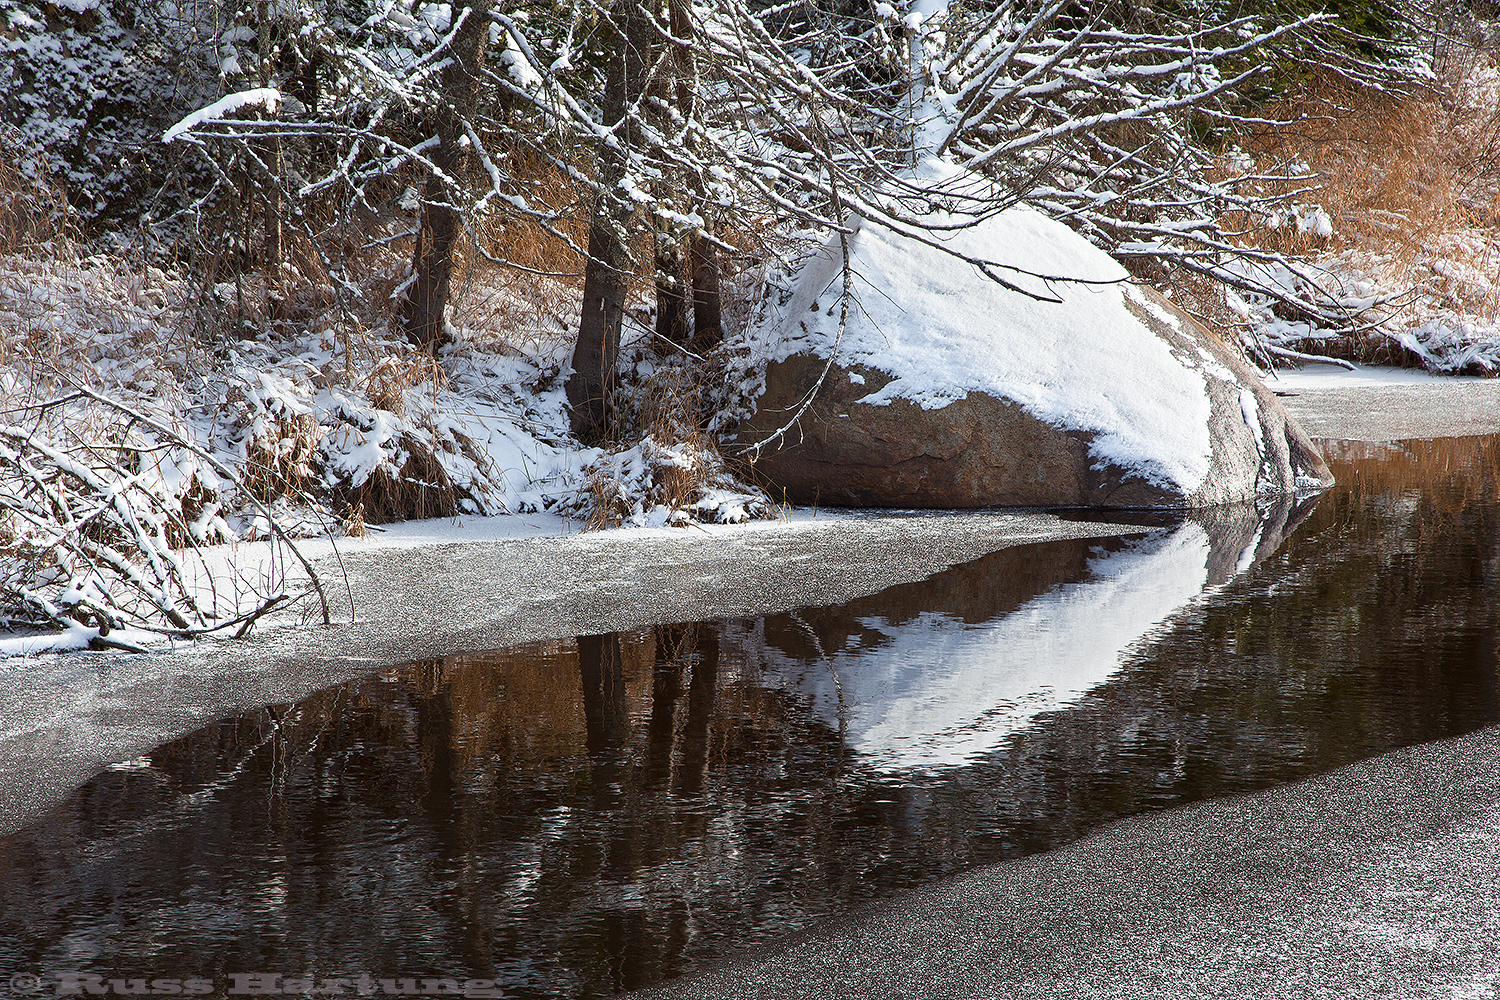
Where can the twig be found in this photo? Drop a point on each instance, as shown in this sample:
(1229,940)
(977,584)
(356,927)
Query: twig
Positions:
(228,474)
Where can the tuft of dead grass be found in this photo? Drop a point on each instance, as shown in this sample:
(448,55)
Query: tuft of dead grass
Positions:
(392,376)
(421,488)
(1399,206)
(1390,170)
(674,473)
(34,207)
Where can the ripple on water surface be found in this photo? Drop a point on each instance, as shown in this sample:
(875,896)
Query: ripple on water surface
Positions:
(576,817)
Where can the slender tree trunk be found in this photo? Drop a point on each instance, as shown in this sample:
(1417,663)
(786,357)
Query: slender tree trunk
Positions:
(674,90)
(673,293)
(702,256)
(423,314)
(707,309)
(432,261)
(607,274)
(276,293)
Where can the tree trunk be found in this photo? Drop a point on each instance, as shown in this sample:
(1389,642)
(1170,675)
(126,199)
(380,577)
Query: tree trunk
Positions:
(277,308)
(673,296)
(703,257)
(423,313)
(707,310)
(591,386)
(607,274)
(432,261)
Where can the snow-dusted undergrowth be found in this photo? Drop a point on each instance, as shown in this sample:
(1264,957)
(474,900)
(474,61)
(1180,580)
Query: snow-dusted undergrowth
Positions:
(130,445)
(323,417)
(1435,309)
(1401,235)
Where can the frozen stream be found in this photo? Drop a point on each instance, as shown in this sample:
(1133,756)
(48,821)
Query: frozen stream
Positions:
(583,815)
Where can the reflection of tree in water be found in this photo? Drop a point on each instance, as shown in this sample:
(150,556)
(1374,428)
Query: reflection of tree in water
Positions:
(579,817)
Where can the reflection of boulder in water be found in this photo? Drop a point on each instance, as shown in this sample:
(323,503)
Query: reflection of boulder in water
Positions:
(1244,534)
(937,673)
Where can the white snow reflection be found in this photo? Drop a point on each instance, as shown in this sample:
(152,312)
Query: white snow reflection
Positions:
(937,692)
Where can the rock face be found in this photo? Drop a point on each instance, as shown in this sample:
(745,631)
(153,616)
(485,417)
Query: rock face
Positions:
(987,450)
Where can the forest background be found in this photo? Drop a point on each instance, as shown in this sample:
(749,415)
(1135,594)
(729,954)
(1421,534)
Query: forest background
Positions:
(281,268)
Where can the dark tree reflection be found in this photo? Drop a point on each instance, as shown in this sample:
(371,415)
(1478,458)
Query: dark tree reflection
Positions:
(583,816)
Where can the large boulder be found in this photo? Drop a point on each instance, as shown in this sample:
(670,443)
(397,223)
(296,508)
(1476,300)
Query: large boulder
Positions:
(947,389)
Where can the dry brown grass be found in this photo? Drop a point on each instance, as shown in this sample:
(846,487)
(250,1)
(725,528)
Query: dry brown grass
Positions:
(1398,171)
(421,489)
(519,303)
(281,460)
(1412,188)
(674,463)
(670,412)
(33,207)
(392,376)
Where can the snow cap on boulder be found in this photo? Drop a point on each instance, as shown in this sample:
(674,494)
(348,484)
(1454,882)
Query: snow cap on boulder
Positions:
(949,389)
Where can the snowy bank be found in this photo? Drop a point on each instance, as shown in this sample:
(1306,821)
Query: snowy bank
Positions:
(131,451)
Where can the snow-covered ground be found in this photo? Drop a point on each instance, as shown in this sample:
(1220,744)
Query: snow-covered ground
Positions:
(1320,376)
(173,442)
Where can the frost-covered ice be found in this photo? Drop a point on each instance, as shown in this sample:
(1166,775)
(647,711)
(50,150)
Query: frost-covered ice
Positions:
(1318,376)
(1071,352)
(938,693)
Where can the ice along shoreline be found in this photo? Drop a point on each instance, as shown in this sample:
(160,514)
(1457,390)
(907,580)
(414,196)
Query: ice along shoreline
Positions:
(433,589)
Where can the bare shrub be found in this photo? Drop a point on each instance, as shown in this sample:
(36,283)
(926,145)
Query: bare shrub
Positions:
(1400,209)
(107,527)
(33,206)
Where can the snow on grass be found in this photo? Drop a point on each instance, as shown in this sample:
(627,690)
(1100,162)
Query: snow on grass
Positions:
(315,431)
(1402,250)
(656,484)
(1436,309)
(305,433)
(944,329)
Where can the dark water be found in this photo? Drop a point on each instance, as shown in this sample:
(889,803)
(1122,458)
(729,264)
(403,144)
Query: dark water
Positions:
(574,818)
